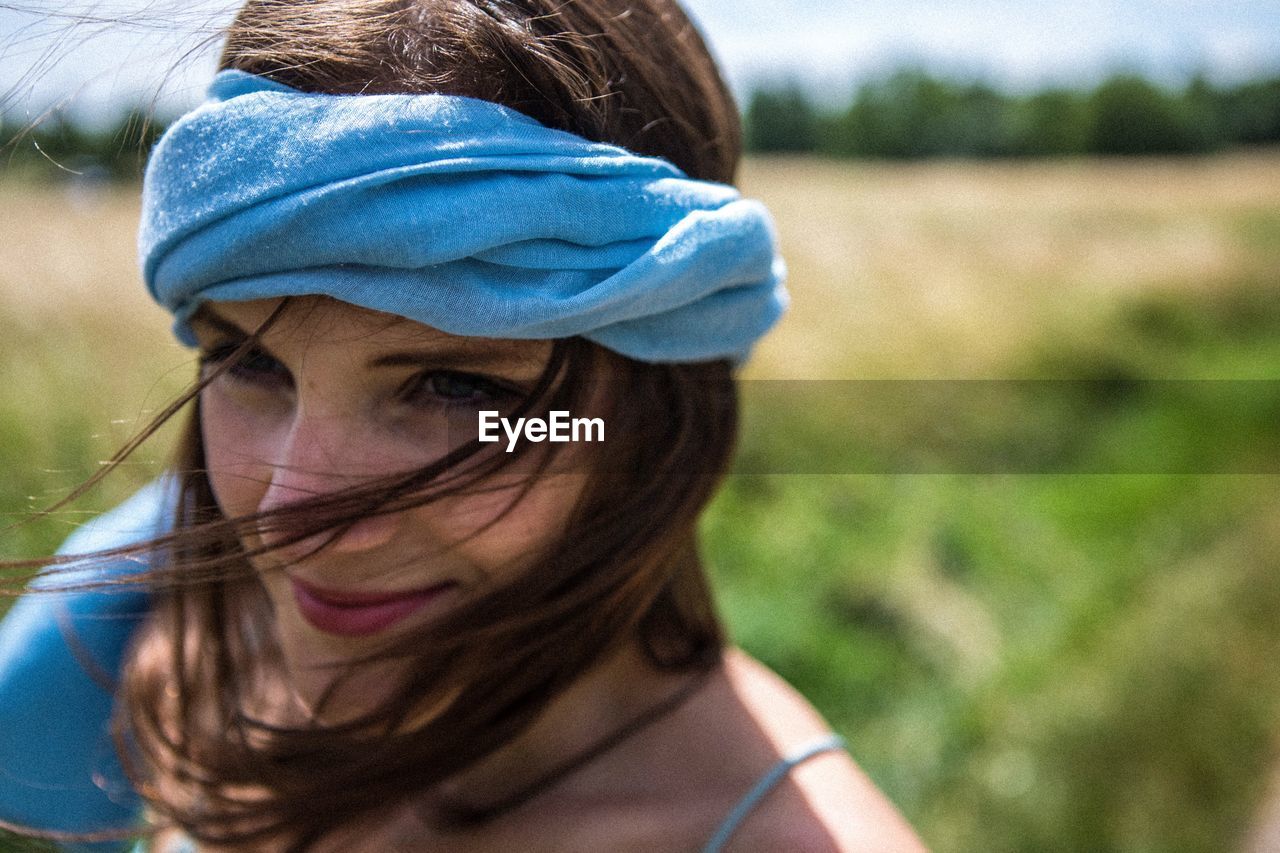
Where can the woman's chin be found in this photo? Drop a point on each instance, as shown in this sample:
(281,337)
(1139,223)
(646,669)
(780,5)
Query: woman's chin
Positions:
(320,668)
(330,691)
(328,652)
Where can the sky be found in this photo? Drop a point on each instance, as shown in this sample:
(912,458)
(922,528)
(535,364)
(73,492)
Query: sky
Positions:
(829,45)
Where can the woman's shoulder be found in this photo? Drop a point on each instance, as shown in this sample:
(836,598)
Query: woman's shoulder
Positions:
(819,799)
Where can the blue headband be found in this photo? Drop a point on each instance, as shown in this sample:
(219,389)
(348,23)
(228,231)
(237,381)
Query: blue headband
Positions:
(454,212)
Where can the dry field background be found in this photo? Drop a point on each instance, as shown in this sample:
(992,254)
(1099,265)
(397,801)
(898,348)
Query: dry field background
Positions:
(1028,662)
(952,269)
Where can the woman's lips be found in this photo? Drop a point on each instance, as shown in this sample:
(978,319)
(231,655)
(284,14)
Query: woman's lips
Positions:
(359,614)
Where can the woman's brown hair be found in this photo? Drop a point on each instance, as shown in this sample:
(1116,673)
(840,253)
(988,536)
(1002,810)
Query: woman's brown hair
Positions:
(191,726)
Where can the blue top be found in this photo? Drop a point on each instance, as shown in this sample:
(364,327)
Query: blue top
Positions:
(59,656)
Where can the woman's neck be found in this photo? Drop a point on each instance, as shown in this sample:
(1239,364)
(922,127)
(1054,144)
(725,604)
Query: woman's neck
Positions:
(616,700)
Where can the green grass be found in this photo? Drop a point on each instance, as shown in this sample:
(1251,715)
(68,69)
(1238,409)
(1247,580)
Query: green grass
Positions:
(63,411)
(1041,661)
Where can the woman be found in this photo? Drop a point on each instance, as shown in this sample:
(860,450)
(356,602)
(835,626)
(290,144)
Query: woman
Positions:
(369,628)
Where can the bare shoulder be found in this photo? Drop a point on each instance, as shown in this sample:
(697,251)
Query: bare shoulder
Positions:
(825,803)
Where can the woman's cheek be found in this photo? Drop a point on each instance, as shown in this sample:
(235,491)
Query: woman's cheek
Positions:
(500,538)
(237,451)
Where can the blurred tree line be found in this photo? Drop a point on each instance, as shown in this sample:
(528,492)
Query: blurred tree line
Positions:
(61,147)
(914,115)
(910,114)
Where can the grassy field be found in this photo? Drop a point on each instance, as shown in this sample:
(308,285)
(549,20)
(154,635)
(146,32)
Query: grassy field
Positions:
(1027,658)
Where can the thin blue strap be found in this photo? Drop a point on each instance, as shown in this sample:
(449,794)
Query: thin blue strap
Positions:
(765,785)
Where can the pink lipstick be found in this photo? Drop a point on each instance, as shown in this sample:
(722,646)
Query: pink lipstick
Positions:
(359,614)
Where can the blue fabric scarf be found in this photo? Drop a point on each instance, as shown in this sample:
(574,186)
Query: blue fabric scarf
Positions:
(457,213)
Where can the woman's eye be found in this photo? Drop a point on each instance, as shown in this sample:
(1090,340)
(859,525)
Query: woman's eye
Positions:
(452,388)
(253,366)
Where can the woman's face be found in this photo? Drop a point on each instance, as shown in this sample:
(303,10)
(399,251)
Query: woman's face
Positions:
(332,397)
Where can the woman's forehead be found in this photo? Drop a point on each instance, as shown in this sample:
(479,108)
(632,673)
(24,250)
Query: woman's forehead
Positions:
(307,320)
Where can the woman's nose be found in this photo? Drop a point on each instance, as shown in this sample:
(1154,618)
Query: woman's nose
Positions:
(316,458)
